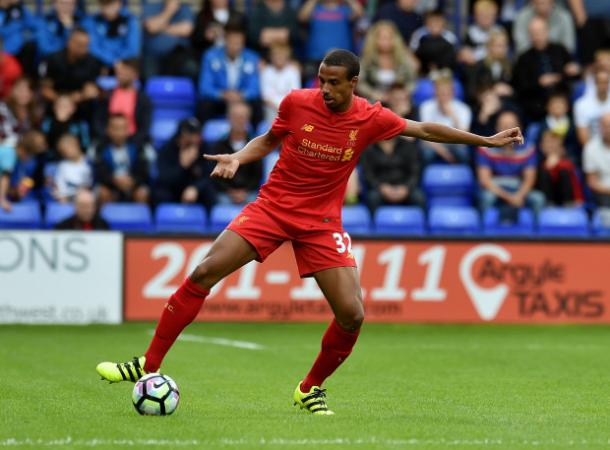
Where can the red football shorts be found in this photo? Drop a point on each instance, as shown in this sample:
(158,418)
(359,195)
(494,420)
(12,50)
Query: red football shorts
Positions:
(316,246)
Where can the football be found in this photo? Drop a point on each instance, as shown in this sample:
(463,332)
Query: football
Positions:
(155,395)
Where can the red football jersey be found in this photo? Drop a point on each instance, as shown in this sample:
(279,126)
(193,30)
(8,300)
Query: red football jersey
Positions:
(320,149)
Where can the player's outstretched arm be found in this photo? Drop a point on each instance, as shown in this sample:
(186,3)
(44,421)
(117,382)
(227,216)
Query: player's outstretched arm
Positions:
(436,132)
(256,149)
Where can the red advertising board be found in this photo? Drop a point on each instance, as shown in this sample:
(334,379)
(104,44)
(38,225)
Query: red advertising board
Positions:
(423,281)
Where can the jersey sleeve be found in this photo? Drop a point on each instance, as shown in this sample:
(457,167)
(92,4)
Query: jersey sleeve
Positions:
(281,124)
(388,124)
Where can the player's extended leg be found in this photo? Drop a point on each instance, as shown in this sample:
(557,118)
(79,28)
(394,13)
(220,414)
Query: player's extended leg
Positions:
(341,287)
(229,252)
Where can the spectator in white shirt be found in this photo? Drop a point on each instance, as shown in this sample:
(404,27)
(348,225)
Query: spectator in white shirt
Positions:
(278,79)
(596,163)
(445,109)
(589,108)
(73,171)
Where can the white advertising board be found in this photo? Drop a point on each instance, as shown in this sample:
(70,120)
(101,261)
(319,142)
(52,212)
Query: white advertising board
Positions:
(60,277)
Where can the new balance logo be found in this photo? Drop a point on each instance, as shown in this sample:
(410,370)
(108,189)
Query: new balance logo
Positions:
(307,127)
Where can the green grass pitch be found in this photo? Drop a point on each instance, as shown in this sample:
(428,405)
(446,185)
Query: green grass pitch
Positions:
(405,386)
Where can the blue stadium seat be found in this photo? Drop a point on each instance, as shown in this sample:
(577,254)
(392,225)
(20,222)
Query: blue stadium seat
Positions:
(448,180)
(493,225)
(222,215)
(171,92)
(56,212)
(424,90)
(457,221)
(400,221)
(601,222)
(23,216)
(162,129)
(109,82)
(180,218)
(128,216)
(215,129)
(449,200)
(563,222)
(356,219)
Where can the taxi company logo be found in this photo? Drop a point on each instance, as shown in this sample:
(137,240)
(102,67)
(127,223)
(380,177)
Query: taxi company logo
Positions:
(307,127)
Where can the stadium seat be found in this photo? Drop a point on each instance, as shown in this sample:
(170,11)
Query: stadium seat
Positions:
(493,225)
(109,82)
(128,216)
(56,212)
(448,180)
(563,222)
(23,216)
(162,129)
(221,216)
(399,221)
(449,200)
(457,221)
(356,219)
(601,222)
(215,129)
(171,92)
(180,218)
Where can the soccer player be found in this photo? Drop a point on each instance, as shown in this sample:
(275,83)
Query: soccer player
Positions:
(323,132)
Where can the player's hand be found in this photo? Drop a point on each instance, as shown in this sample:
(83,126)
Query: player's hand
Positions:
(506,137)
(226,165)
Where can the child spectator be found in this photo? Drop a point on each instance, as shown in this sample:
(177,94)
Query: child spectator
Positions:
(167,25)
(507,175)
(558,121)
(55,27)
(557,177)
(278,79)
(446,109)
(115,33)
(21,169)
(230,74)
(479,32)
(63,120)
(73,171)
(385,62)
(10,70)
(433,44)
(243,187)
(121,165)
(129,100)
(86,216)
(596,162)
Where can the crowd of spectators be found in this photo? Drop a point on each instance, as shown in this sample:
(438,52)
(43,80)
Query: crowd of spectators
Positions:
(543,65)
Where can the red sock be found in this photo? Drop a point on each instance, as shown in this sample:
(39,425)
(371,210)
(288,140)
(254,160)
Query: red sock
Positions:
(180,310)
(337,344)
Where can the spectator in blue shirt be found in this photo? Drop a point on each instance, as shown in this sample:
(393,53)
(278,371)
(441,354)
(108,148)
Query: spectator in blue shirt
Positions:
(56,26)
(114,32)
(230,74)
(404,16)
(167,28)
(17,29)
(329,26)
(507,175)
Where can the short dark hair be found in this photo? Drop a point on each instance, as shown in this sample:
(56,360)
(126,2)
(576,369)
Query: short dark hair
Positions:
(133,63)
(79,29)
(343,58)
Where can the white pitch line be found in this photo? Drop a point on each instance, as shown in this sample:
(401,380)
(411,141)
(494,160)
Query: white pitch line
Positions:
(281,442)
(219,341)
